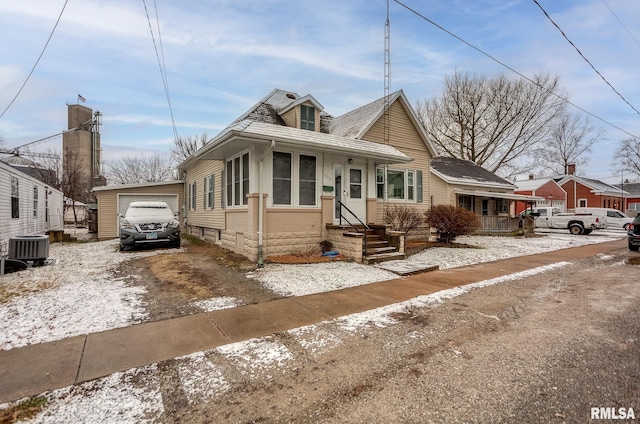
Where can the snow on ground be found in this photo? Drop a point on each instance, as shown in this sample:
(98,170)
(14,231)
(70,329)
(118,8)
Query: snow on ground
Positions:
(115,399)
(79,293)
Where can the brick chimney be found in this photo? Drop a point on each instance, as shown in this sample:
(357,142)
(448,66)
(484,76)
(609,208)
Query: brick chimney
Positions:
(531,176)
(571,169)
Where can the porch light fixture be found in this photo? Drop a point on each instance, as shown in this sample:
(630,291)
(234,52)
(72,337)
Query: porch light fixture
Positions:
(350,161)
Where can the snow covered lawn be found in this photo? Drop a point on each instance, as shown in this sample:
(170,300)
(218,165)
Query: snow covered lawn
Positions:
(79,294)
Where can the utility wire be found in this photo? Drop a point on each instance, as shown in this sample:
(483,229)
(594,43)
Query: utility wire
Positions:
(583,57)
(512,69)
(160,65)
(37,61)
(623,25)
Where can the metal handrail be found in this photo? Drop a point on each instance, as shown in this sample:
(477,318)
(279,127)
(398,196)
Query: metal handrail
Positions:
(366,227)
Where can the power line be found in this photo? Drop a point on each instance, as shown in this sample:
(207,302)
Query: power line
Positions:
(37,61)
(621,24)
(512,69)
(584,58)
(163,72)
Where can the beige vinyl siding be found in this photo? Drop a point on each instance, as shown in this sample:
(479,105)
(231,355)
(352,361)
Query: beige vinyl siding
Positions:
(406,138)
(441,192)
(201,217)
(292,117)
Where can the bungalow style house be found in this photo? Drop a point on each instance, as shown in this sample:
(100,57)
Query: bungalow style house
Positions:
(286,175)
(547,188)
(463,183)
(587,192)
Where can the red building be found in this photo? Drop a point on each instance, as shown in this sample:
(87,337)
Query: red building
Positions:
(547,188)
(586,192)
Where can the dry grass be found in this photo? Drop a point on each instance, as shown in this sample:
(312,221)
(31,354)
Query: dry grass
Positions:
(22,411)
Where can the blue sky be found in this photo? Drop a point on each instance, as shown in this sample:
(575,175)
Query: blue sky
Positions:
(221,57)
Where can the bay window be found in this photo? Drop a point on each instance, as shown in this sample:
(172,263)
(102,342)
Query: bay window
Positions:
(400,184)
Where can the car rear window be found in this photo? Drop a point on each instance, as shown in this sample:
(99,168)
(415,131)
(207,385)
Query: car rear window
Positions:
(150,211)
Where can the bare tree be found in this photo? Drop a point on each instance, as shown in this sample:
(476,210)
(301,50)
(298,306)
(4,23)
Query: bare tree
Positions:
(494,122)
(628,154)
(141,169)
(187,146)
(66,173)
(570,139)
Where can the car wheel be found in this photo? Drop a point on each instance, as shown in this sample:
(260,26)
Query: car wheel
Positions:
(576,229)
(633,247)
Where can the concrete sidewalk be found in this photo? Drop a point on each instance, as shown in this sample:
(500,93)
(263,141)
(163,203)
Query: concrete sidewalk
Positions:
(37,368)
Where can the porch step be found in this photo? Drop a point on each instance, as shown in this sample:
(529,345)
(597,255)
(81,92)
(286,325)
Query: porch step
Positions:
(381,257)
(377,250)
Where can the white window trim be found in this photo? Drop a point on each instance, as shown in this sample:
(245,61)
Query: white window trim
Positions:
(295,180)
(209,189)
(231,177)
(585,202)
(406,185)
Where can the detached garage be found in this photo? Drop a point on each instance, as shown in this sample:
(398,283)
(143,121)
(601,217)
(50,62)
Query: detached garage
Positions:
(113,200)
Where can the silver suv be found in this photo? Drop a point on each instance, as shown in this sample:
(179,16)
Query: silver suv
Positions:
(149,223)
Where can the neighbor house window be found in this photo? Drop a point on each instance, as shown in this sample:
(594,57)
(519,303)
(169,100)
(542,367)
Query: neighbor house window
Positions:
(307,188)
(35,201)
(238,180)
(465,202)
(307,117)
(582,203)
(281,178)
(502,205)
(15,198)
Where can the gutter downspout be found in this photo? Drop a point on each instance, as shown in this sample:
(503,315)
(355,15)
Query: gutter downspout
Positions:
(261,205)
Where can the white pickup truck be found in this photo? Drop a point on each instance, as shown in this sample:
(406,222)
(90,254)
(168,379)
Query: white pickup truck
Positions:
(548,217)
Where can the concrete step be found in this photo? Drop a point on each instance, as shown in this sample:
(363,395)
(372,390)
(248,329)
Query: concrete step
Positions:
(377,250)
(381,257)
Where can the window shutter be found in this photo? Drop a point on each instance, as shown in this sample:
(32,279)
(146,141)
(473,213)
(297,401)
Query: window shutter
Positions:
(204,194)
(222,188)
(419,185)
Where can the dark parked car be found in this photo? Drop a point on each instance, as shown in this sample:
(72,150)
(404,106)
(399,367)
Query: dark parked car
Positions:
(149,223)
(633,234)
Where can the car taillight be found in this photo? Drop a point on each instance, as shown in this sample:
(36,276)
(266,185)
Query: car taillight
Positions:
(631,226)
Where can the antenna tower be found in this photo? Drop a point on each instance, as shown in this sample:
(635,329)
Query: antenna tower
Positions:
(387,75)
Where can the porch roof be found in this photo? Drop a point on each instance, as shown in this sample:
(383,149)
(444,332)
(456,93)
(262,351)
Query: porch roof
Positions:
(496,195)
(245,133)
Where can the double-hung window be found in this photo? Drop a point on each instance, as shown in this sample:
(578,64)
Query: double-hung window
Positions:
(237,175)
(208,185)
(307,117)
(294,179)
(192,196)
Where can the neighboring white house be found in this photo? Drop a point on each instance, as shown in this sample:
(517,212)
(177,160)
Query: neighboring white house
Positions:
(27,206)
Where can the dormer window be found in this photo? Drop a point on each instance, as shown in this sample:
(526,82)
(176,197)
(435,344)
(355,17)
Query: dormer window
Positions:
(307,117)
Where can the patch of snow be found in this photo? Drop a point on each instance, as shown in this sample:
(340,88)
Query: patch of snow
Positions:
(255,356)
(300,280)
(200,378)
(217,303)
(124,397)
(76,295)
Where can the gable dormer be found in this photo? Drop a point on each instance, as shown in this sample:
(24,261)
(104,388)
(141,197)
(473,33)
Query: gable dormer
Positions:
(302,112)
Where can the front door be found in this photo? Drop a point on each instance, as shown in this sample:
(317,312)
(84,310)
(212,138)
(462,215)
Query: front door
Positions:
(354,193)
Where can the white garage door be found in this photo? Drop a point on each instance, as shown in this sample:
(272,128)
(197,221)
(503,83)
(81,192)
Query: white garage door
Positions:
(125,199)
